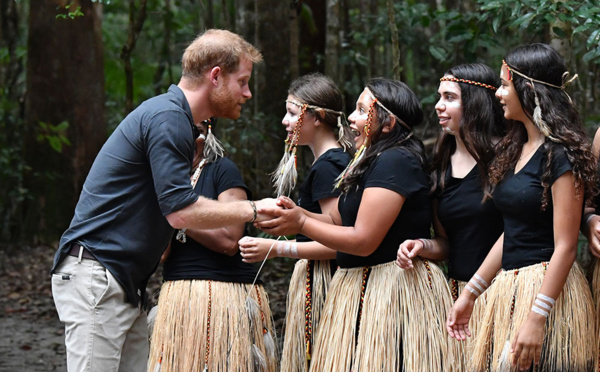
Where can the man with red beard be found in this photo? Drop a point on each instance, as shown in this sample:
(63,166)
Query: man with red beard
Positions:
(137,191)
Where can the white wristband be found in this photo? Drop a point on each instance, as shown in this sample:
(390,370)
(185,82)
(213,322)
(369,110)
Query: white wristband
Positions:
(549,300)
(294,250)
(537,310)
(538,302)
(481,280)
(479,287)
(283,249)
(472,290)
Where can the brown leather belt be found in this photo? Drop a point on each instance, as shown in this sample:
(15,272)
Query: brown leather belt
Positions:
(76,248)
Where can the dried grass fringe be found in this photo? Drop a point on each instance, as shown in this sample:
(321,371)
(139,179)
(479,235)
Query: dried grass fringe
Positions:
(178,342)
(294,358)
(466,347)
(596,297)
(400,312)
(570,339)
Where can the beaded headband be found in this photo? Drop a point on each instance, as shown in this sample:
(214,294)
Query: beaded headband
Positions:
(457,80)
(342,140)
(387,110)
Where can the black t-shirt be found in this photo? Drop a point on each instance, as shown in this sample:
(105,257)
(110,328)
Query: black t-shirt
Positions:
(191,260)
(472,228)
(396,169)
(320,180)
(529,231)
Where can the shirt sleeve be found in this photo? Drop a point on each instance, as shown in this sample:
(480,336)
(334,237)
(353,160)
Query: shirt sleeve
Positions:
(169,144)
(397,170)
(228,176)
(560,163)
(324,174)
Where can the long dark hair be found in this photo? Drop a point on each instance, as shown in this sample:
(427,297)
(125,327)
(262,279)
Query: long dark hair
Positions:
(402,102)
(541,62)
(481,125)
(319,90)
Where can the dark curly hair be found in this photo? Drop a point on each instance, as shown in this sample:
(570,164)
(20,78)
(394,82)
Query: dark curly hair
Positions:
(541,62)
(402,102)
(481,125)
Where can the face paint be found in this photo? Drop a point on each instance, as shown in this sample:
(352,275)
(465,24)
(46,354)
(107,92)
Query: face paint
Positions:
(503,92)
(448,130)
(452,104)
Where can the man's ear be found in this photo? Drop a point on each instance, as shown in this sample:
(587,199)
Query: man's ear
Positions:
(215,75)
(388,128)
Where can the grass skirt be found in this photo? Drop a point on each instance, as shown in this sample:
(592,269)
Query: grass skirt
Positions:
(466,347)
(239,336)
(596,297)
(295,357)
(570,337)
(386,319)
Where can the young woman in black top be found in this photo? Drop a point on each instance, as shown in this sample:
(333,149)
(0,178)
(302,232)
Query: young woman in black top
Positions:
(591,228)
(465,228)
(539,312)
(314,119)
(378,317)
(209,314)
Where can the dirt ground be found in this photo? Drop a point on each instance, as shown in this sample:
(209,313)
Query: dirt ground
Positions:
(31,336)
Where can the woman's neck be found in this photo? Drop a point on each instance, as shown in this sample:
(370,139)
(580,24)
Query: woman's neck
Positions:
(534,135)
(323,143)
(462,161)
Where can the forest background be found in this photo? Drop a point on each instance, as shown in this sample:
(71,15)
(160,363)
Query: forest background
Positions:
(71,70)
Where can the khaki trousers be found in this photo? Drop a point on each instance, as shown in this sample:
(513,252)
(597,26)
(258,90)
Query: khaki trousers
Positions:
(102,332)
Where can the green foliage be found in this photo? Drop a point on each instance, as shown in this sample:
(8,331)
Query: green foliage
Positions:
(55,135)
(71,14)
(534,16)
(437,35)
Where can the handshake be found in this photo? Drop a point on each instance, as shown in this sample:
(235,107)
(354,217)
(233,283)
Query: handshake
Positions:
(279,216)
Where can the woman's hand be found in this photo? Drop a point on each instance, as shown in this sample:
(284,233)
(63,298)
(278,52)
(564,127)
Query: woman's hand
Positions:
(287,220)
(592,234)
(408,250)
(256,249)
(459,315)
(527,345)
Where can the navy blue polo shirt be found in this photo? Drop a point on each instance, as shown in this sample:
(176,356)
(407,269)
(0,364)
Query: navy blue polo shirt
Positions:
(141,174)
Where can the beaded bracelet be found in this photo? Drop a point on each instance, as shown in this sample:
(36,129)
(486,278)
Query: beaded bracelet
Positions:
(253,205)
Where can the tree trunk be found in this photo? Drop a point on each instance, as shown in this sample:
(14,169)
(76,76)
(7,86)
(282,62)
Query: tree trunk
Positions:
(63,84)
(11,119)
(374,56)
(332,40)
(209,20)
(165,62)
(295,7)
(136,22)
(562,44)
(396,69)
